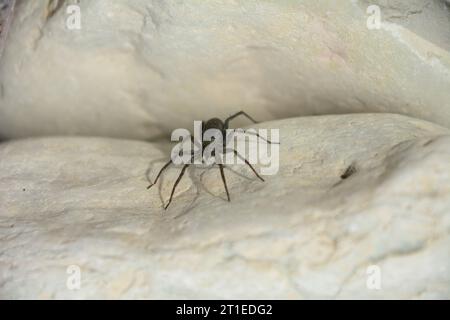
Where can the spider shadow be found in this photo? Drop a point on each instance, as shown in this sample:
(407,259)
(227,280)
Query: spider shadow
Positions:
(226,168)
(197,182)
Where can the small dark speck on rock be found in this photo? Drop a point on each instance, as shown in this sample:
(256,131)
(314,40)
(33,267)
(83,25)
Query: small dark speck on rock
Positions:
(351,170)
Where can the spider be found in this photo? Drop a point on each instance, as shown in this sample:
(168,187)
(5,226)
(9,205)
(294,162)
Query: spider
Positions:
(222,126)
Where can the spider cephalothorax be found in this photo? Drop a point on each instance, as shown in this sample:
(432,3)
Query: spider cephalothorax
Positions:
(222,126)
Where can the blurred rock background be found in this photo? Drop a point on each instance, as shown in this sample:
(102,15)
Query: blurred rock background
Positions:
(137,68)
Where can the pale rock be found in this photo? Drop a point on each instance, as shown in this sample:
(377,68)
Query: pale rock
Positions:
(304,233)
(139,68)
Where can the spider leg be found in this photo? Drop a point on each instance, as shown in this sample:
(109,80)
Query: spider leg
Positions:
(175,185)
(240,113)
(248,163)
(224,181)
(257,135)
(159,174)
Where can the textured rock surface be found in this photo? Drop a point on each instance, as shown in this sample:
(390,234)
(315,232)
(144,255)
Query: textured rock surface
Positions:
(425,18)
(139,68)
(6,14)
(82,201)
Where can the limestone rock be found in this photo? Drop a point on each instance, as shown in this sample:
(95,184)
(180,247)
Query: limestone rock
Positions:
(304,233)
(139,68)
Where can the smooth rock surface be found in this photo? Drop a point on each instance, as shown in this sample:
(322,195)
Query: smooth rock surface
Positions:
(139,68)
(304,233)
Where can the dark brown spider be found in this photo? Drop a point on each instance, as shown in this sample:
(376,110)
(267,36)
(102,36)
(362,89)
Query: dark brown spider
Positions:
(222,126)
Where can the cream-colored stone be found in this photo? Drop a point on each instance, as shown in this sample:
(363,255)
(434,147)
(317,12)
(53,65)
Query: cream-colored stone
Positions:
(304,233)
(138,69)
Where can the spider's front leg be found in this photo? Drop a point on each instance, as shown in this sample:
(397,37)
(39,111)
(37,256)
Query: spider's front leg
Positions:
(159,174)
(224,181)
(258,136)
(194,143)
(176,184)
(247,163)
